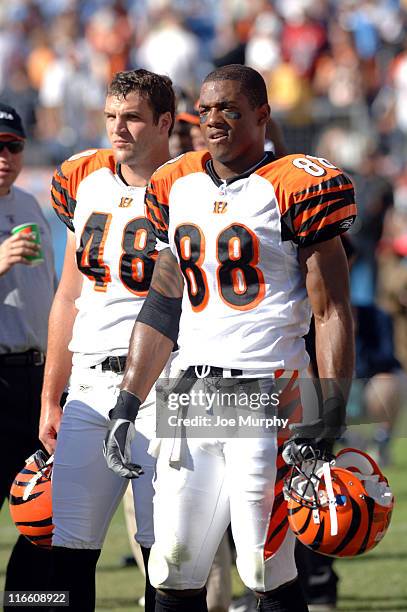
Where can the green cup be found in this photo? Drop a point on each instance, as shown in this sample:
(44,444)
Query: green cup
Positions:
(32,230)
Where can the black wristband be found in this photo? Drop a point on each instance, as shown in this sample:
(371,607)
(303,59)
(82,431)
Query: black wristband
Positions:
(162,313)
(127,406)
(327,428)
(334,418)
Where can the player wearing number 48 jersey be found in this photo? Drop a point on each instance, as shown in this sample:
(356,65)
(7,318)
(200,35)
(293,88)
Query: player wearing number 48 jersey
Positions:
(254,247)
(109,259)
(115,251)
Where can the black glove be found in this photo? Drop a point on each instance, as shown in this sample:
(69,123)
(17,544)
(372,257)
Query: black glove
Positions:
(315,440)
(120,434)
(297,450)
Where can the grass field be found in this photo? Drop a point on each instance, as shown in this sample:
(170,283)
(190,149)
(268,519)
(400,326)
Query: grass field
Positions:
(375,581)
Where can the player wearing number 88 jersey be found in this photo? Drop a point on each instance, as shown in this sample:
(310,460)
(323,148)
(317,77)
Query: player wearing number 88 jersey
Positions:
(253,248)
(240,259)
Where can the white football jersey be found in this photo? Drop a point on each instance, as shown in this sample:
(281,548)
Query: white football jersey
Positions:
(245,304)
(114,251)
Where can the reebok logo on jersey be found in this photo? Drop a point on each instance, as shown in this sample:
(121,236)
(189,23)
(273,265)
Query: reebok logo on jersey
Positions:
(346,224)
(219,207)
(125,202)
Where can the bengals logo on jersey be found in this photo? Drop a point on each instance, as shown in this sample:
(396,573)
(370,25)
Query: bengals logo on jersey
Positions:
(219,207)
(125,202)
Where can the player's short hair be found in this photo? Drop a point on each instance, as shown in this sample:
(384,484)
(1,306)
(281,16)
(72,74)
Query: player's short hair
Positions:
(155,88)
(251,82)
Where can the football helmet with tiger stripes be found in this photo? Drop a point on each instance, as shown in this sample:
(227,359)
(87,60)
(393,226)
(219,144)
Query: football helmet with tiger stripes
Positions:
(30,500)
(340,508)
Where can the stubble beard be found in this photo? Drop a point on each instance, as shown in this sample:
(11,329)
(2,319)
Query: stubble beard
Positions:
(128,158)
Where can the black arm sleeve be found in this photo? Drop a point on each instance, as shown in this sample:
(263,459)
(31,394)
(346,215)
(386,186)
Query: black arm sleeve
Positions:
(162,313)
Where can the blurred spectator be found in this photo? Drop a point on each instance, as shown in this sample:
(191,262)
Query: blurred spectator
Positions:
(263,47)
(40,57)
(384,381)
(399,90)
(275,138)
(337,73)
(197,140)
(302,39)
(230,44)
(182,138)
(171,49)
(289,94)
(20,93)
(356,154)
(374,195)
(9,48)
(110,33)
(71,100)
(361,21)
(186,135)
(393,269)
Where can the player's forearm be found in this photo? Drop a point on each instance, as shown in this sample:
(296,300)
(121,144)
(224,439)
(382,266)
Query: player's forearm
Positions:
(59,357)
(335,348)
(327,281)
(148,353)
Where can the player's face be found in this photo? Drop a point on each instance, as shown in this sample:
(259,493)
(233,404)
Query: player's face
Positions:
(232,129)
(130,127)
(10,164)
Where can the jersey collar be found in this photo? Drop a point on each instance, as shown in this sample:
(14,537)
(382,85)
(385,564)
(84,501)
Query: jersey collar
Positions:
(266,159)
(120,175)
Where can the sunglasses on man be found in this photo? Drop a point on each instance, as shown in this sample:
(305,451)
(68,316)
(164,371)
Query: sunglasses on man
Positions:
(13,146)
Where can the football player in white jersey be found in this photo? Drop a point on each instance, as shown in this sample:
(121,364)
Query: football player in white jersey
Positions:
(109,258)
(257,243)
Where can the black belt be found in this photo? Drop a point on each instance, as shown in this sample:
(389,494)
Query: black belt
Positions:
(213,371)
(113,364)
(31,357)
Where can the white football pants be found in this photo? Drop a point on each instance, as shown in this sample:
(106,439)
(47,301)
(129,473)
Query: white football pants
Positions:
(85,492)
(217,481)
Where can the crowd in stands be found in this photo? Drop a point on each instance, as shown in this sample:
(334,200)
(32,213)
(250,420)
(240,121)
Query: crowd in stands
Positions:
(336,72)
(322,59)
(318,56)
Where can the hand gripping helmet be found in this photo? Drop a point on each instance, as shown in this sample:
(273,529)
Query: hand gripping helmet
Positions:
(340,508)
(31,500)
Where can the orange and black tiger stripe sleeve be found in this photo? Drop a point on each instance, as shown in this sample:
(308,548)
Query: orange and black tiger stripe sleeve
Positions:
(157,198)
(157,212)
(321,211)
(62,201)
